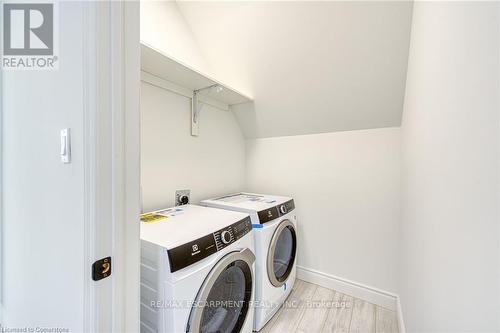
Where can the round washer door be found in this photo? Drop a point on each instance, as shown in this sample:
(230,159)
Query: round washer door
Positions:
(281,254)
(223,301)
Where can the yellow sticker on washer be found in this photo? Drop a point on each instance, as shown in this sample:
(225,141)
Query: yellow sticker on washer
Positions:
(152,217)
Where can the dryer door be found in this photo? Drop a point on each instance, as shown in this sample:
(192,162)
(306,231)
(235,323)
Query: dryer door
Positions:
(223,301)
(281,253)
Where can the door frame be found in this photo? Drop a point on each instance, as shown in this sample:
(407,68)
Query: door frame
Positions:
(112,163)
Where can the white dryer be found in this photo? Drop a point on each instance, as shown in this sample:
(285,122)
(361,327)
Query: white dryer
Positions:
(275,232)
(197,270)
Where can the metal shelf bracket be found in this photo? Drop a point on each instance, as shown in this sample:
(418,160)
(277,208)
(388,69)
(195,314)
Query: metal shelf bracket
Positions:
(197,106)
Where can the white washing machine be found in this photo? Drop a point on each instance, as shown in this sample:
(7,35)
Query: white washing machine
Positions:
(197,270)
(275,232)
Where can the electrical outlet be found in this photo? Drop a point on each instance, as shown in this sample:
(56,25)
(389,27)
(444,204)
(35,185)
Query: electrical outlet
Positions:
(182,197)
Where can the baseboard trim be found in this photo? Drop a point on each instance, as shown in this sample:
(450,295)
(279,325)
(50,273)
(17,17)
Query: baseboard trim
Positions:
(370,294)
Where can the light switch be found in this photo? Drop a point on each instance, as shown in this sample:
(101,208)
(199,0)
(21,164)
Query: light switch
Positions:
(65,146)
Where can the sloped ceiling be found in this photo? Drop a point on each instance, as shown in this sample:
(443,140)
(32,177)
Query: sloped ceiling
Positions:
(311,67)
(164,28)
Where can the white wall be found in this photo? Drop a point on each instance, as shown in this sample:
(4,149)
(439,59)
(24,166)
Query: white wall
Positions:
(171,159)
(42,209)
(346,186)
(164,27)
(312,66)
(449,232)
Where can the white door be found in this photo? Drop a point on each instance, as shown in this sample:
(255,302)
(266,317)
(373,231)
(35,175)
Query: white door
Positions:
(58,218)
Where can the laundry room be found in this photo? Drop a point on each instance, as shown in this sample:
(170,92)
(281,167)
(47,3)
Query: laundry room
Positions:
(250,166)
(239,149)
(233,110)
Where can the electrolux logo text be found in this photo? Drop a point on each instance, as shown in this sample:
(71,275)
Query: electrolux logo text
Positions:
(30,36)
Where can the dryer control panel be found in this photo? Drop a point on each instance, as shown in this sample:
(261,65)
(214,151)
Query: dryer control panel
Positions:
(286,207)
(273,213)
(198,249)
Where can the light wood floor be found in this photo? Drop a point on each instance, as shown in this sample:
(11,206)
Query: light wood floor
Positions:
(312,309)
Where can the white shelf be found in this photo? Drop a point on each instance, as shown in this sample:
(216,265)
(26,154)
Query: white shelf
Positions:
(165,67)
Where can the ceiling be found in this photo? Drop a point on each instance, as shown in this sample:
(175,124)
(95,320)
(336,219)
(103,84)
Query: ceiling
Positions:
(311,67)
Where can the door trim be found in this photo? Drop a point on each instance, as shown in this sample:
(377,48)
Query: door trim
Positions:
(271,251)
(111,83)
(245,255)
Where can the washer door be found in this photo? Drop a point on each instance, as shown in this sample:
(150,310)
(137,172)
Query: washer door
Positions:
(281,254)
(223,301)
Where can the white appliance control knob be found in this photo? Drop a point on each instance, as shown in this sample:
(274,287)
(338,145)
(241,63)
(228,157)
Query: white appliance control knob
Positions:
(225,236)
(283,209)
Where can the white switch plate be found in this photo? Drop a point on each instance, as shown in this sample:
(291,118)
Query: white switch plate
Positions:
(65,146)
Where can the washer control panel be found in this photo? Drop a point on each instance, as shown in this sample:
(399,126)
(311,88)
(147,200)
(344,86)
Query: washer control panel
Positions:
(231,234)
(226,236)
(198,249)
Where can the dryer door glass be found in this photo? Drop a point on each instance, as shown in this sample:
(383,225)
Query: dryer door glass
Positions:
(282,253)
(227,302)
